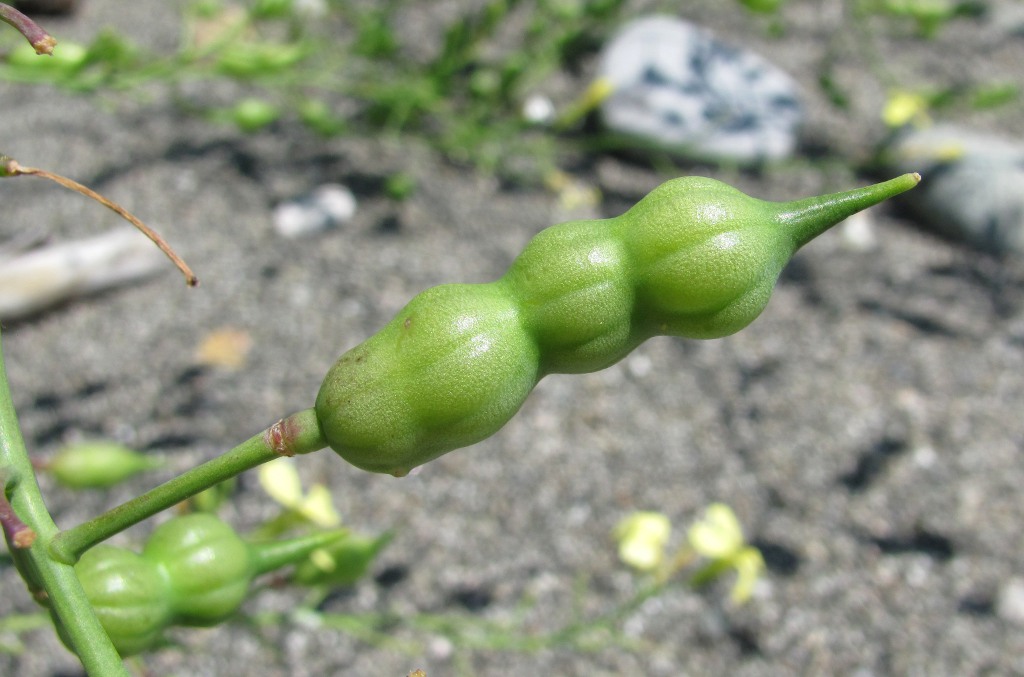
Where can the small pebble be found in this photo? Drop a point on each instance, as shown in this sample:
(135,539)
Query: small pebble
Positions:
(538,110)
(858,232)
(1010,601)
(972,187)
(677,86)
(327,207)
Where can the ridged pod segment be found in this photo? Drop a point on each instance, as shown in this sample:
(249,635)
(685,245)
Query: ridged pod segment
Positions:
(695,258)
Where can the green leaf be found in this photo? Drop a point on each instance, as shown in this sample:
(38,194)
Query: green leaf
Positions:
(994,95)
(316,115)
(762,6)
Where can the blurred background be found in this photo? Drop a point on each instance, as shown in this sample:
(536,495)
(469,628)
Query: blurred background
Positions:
(320,162)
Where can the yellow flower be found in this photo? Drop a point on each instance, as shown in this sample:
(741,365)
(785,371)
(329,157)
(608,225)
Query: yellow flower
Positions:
(718,535)
(719,538)
(642,537)
(281,482)
(748,564)
(904,107)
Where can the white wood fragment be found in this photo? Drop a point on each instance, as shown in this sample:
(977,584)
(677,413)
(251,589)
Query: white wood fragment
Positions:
(43,277)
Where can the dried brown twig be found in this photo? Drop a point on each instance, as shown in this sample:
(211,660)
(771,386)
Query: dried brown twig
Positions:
(10,167)
(40,40)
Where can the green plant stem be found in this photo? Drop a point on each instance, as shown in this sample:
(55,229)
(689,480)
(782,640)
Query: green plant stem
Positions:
(52,583)
(297,434)
(272,555)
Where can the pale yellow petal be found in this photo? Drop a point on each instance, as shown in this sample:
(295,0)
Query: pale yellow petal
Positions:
(642,537)
(323,560)
(280,480)
(749,564)
(718,535)
(318,507)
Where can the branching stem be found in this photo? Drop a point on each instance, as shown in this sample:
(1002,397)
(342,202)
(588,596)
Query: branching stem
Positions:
(296,434)
(52,583)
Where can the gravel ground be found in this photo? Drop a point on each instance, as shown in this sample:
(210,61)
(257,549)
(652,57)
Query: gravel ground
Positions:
(867,428)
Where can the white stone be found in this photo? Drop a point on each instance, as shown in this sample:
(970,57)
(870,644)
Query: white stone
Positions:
(1010,601)
(972,187)
(676,86)
(329,206)
(538,110)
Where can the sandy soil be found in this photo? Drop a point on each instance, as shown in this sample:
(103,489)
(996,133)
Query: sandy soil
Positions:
(867,429)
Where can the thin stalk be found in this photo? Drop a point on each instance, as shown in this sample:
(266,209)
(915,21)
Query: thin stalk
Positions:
(297,434)
(272,555)
(52,583)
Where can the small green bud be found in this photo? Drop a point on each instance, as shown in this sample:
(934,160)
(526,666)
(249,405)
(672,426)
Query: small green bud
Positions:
(400,186)
(318,116)
(98,465)
(251,115)
(255,59)
(66,58)
(207,565)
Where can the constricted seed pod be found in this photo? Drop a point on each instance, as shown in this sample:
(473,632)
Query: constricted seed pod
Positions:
(208,568)
(695,258)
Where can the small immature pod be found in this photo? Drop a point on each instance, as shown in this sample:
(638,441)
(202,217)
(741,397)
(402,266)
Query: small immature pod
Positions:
(129,596)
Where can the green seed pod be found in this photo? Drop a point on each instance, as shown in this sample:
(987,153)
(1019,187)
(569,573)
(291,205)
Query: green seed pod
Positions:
(450,369)
(64,61)
(207,566)
(695,258)
(98,465)
(129,596)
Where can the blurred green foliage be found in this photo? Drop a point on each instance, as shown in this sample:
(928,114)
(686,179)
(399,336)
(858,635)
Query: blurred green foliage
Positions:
(344,68)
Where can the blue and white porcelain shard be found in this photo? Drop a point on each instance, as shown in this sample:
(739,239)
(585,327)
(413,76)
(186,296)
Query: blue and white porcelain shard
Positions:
(677,87)
(973,187)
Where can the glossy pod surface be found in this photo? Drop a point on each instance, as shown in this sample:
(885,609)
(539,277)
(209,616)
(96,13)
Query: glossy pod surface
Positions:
(695,258)
(194,571)
(128,594)
(206,564)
